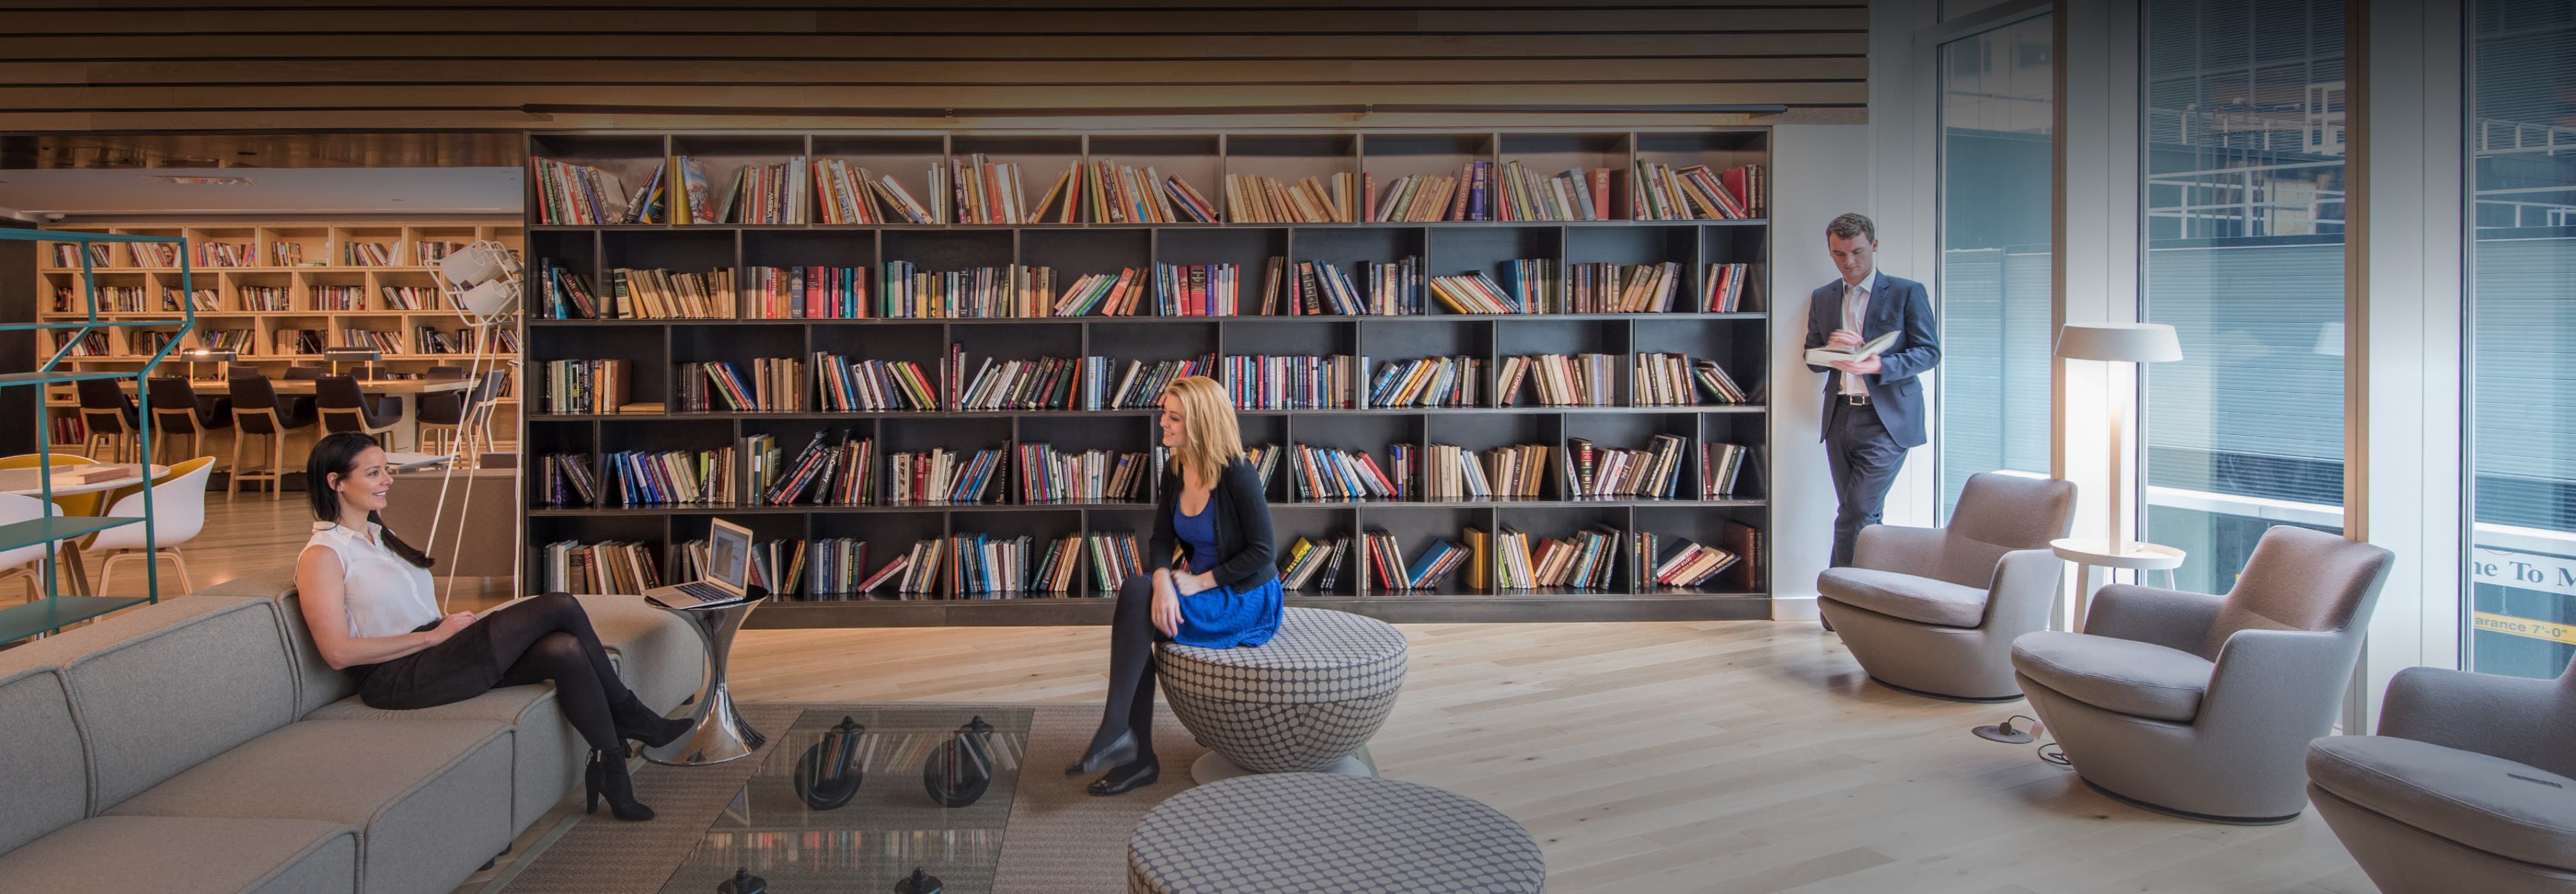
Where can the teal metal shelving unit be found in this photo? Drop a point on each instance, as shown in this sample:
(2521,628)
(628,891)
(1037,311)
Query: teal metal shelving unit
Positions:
(55,611)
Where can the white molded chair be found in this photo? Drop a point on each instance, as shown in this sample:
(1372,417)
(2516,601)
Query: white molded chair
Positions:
(178,513)
(20,562)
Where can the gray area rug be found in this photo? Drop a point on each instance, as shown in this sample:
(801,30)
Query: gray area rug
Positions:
(1058,839)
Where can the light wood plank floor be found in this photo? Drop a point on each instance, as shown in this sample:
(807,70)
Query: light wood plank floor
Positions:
(1744,756)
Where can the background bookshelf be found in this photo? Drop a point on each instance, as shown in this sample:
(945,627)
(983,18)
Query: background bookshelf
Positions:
(254,280)
(654,347)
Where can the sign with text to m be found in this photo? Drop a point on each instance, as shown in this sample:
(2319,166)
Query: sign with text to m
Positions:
(2523,571)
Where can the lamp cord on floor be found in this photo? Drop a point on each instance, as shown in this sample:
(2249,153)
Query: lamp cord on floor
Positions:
(2049,752)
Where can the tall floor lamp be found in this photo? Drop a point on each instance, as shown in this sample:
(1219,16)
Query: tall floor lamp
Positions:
(2117,343)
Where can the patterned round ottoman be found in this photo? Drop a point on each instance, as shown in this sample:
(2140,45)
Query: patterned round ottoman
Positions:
(1319,832)
(1306,700)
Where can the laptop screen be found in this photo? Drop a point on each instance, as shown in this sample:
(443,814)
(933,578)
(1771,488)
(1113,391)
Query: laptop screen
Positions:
(729,554)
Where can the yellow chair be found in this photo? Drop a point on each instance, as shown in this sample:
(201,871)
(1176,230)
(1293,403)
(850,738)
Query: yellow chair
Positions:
(76,577)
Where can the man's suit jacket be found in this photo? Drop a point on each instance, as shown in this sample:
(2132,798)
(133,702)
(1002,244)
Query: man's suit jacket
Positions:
(1895,305)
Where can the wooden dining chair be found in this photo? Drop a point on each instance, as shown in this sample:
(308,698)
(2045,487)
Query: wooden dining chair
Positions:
(109,416)
(257,412)
(177,412)
(344,407)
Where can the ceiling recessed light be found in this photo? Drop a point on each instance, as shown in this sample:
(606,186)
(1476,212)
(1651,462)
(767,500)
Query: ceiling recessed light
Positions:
(197,181)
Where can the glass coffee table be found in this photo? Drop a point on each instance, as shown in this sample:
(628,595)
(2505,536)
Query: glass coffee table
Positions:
(887,829)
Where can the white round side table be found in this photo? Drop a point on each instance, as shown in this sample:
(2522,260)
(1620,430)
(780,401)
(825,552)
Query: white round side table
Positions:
(2094,552)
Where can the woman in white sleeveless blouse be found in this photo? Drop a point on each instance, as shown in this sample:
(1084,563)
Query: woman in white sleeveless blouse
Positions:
(368,600)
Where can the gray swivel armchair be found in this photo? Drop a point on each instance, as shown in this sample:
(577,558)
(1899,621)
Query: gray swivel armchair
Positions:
(2203,706)
(2466,787)
(1934,611)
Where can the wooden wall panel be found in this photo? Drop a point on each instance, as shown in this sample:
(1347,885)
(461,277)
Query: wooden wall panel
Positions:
(123,65)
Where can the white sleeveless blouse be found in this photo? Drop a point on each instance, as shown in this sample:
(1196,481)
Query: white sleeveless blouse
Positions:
(386,596)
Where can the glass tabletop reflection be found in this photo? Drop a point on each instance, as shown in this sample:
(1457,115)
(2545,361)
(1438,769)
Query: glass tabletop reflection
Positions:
(884,830)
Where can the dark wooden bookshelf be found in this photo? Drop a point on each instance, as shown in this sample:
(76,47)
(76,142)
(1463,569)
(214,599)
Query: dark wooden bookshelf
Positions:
(1738,341)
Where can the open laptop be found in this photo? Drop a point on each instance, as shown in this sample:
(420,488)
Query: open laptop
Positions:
(728,569)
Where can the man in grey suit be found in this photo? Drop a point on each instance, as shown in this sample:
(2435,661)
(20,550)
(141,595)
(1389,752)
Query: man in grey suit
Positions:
(1874,406)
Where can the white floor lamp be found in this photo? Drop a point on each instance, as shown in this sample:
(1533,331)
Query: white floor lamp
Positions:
(482,283)
(2117,343)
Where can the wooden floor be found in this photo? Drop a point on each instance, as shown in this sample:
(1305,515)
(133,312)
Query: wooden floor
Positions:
(1741,756)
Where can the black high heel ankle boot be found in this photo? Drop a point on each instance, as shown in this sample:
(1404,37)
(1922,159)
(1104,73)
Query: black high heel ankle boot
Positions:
(637,722)
(606,777)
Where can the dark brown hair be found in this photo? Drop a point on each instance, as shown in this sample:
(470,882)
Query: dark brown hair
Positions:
(1852,225)
(337,454)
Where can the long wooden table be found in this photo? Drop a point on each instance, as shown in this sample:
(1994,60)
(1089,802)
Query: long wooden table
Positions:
(405,433)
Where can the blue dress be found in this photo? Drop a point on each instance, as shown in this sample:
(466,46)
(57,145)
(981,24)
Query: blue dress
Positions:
(1218,617)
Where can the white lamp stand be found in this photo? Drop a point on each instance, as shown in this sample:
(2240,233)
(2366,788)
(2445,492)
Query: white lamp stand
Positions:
(2117,343)
(483,285)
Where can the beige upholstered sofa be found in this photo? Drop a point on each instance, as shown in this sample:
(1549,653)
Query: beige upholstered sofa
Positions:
(201,745)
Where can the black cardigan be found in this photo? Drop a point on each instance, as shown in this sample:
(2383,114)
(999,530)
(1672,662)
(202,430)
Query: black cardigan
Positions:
(1242,527)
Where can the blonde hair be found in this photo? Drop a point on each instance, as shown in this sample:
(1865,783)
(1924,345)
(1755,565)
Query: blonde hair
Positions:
(1207,420)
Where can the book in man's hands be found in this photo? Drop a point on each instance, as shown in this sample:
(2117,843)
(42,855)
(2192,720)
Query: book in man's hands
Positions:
(1827,356)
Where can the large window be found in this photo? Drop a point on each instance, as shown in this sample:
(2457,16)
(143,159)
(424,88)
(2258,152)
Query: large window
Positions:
(2522,339)
(2244,160)
(1996,104)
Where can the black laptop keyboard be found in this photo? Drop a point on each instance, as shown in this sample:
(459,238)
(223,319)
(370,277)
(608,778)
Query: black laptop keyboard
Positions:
(705,592)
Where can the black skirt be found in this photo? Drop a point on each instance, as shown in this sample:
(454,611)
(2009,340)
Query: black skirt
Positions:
(459,668)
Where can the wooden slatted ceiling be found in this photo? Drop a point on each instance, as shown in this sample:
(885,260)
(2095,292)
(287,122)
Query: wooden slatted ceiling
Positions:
(103,65)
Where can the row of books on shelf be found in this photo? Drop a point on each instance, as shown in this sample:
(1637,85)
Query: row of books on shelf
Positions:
(975,189)
(78,344)
(771,385)
(326,299)
(1589,559)
(495,340)
(165,255)
(1252,382)
(824,473)
(1447,472)
(986,566)
(351,298)
(146,342)
(846,473)
(958,566)
(969,189)
(391,254)
(1102,191)
(1512,560)
(902,290)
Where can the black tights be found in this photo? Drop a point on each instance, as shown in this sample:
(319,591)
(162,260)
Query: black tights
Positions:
(549,638)
(1131,667)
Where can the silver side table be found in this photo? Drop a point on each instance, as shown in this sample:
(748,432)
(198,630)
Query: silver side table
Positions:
(719,733)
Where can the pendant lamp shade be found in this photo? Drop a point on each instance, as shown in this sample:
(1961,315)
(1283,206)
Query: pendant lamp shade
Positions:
(2119,342)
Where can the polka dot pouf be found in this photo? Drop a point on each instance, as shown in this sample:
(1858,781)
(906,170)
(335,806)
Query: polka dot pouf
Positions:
(1306,700)
(1312,833)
